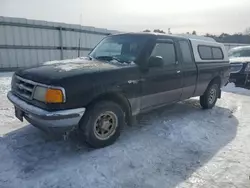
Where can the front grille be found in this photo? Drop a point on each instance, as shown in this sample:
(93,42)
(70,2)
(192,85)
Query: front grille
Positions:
(236,67)
(23,87)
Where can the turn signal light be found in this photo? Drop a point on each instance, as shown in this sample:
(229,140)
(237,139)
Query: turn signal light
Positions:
(54,96)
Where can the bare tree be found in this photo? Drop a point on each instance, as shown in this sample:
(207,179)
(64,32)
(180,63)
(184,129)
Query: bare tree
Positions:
(247,31)
(194,33)
(159,31)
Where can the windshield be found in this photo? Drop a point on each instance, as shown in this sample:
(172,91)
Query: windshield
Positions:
(239,53)
(124,49)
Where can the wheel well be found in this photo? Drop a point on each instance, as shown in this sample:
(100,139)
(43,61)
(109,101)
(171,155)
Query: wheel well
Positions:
(118,99)
(217,79)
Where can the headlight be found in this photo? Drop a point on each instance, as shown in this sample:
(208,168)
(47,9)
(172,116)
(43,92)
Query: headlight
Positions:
(247,69)
(49,95)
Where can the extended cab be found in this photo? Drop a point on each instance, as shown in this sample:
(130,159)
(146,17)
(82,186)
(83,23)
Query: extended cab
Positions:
(124,75)
(240,66)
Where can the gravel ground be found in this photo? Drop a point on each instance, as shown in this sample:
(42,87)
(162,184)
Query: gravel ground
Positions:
(177,146)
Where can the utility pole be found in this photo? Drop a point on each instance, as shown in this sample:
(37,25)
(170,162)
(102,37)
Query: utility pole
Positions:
(80,34)
(169,31)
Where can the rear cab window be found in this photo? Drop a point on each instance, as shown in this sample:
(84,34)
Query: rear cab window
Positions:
(217,53)
(210,52)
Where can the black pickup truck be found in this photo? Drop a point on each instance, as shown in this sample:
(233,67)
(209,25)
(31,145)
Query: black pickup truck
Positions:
(123,76)
(239,58)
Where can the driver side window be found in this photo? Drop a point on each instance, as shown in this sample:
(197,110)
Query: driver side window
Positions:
(166,51)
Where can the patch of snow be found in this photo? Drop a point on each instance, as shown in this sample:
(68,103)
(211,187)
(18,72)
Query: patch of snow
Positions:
(66,61)
(88,65)
(83,62)
(5,80)
(70,66)
(6,112)
(133,81)
(238,90)
(116,62)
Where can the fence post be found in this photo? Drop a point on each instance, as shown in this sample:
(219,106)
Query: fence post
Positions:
(61,42)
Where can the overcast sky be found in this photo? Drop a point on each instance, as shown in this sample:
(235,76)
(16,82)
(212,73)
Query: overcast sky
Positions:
(204,16)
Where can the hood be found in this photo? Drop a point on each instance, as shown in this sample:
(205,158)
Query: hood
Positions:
(239,60)
(53,71)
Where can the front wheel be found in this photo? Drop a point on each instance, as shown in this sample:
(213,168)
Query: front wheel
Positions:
(102,124)
(209,98)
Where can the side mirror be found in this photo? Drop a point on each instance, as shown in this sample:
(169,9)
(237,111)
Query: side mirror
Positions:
(155,61)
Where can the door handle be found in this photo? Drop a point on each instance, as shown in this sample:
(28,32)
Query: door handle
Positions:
(178,72)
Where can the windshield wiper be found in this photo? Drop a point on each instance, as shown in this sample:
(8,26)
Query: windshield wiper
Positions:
(90,57)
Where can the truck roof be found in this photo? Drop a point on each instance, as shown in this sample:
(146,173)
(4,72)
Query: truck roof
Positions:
(196,42)
(196,37)
(184,36)
(152,34)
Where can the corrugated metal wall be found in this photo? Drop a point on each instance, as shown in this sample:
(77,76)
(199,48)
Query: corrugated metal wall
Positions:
(26,43)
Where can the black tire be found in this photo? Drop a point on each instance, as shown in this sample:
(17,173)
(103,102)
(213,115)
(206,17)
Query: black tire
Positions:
(94,114)
(205,100)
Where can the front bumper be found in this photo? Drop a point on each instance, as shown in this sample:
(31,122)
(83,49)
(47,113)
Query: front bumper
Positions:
(59,121)
(240,79)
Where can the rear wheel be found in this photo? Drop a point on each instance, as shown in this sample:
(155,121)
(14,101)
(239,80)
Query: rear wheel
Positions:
(209,98)
(102,124)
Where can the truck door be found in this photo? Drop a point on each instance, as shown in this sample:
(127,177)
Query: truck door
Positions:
(189,69)
(162,85)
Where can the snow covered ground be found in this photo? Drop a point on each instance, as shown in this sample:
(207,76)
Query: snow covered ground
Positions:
(178,146)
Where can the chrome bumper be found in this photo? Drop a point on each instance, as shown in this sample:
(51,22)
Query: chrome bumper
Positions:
(45,120)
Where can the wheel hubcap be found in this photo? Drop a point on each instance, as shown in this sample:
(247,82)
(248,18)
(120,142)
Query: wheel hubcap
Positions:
(212,95)
(105,125)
